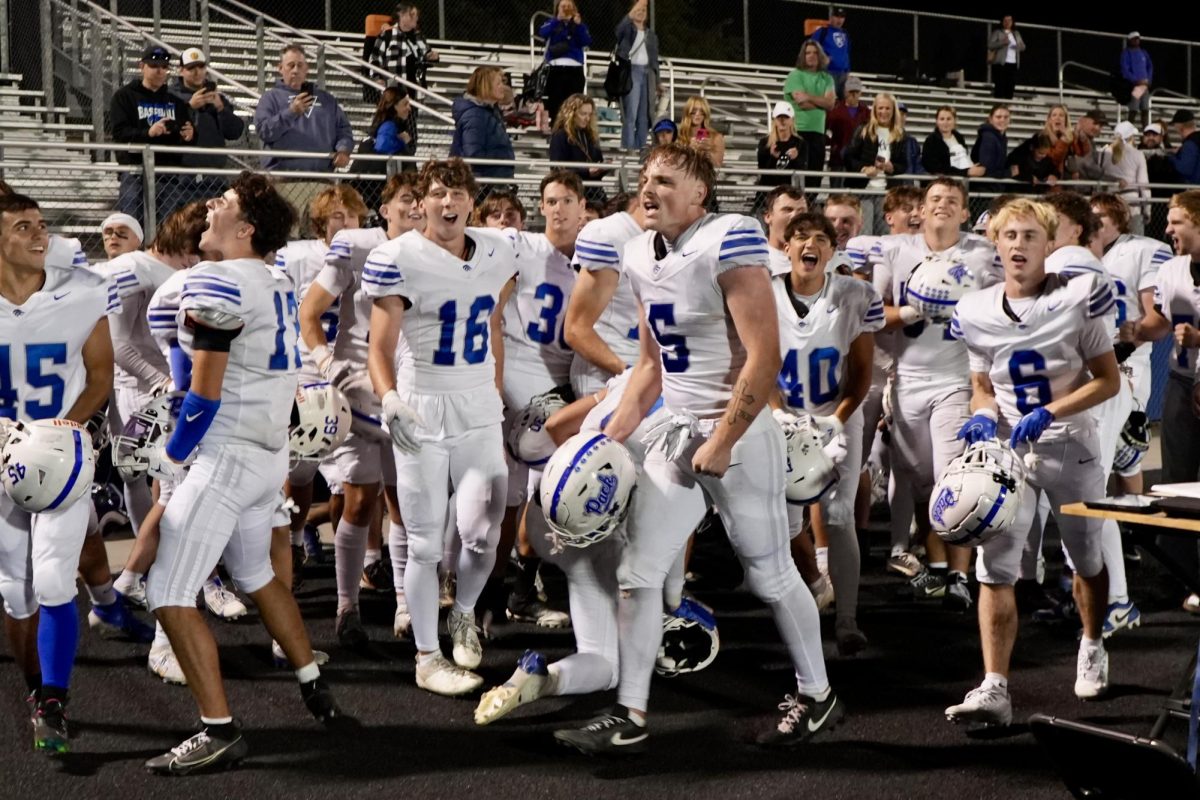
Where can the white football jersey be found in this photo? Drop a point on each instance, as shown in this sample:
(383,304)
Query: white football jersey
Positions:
(534,317)
(64,251)
(448,309)
(1042,356)
(349,254)
(1179,297)
(1133,262)
(601,245)
(685,307)
(264,359)
(925,349)
(815,346)
(41,342)
(137,276)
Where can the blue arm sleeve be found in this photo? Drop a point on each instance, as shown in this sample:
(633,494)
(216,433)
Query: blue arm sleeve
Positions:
(181,367)
(195,416)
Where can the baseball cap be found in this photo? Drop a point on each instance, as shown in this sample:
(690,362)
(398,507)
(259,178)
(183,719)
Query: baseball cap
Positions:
(1153,127)
(854,84)
(665,125)
(156,54)
(783,109)
(1183,115)
(191,57)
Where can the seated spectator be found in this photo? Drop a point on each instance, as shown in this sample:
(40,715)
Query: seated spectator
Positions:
(1031,162)
(665,131)
(479,130)
(781,148)
(1120,161)
(843,120)
(809,88)
(872,153)
(696,130)
(566,37)
(501,209)
(1186,160)
(991,144)
(576,139)
(945,150)
(295,115)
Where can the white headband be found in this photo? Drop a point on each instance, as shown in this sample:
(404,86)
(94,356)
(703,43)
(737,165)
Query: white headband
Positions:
(127,221)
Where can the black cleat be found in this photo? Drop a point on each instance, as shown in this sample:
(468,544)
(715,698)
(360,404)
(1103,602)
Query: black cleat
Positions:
(803,718)
(611,734)
(205,752)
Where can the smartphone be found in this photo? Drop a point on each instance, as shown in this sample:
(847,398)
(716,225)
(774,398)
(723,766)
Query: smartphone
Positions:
(307,88)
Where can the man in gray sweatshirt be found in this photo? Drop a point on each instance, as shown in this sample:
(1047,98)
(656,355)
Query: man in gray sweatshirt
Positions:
(295,115)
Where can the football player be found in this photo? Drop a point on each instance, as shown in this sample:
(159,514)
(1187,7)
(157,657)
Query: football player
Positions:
(57,363)
(237,322)
(1041,356)
(702,280)
(444,288)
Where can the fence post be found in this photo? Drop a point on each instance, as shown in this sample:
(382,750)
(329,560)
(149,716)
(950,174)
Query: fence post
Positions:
(156,9)
(204,27)
(44,23)
(150,197)
(96,61)
(260,53)
(746,31)
(5,53)
(321,67)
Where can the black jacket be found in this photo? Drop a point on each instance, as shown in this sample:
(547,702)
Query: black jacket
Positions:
(935,155)
(134,108)
(213,128)
(861,153)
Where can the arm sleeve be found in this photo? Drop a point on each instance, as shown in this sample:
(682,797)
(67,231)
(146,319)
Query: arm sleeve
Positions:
(270,121)
(743,245)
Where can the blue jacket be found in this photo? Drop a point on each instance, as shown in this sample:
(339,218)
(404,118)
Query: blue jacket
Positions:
(1187,160)
(479,132)
(836,44)
(324,129)
(576,37)
(1136,65)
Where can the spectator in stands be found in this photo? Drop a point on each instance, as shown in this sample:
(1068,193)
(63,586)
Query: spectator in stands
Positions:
(295,115)
(871,152)
(781,148)
(575,138)
(1084,158)
(991,144)
(1138,71)
(1186,160)
(809,88)
(696,129)
(479,130)
(1031,162)
(1122,162)
(847,114)
(665,131)
(120,233)
(144,111)
(836,43)
(1005,46)
(212,118)
(945,150)
(638,43)
(401,50)
(566,37)
(501,209)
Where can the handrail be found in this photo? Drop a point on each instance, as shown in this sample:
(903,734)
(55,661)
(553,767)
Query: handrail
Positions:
(349,57)
(718,79)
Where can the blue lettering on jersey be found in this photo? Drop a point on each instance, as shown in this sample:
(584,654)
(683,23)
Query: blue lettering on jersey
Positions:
(673,345)
(1031,389)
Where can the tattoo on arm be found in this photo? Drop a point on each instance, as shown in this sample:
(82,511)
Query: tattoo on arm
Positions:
(739,409)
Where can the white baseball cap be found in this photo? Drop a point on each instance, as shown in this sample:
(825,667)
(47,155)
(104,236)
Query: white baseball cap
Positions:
(192,56)
(783,109)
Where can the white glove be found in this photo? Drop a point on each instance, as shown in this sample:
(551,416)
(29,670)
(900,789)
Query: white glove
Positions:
(323,357)
(830,427)
(671,434)
(402,422)
(786,419)
(836,449)
(161,466)
(909,315)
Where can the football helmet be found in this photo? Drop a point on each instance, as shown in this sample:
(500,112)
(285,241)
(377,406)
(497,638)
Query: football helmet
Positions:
(690,641)
(144,433)
(810,470)
(936,286)
(320,421)
(979,494)
(1132,444)
(47,464)
(527,440)
(586,489)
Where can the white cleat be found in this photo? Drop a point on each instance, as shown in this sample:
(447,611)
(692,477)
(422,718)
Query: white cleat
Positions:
(1091,672)
(402,623)
(162,662)
(441,677)
(984,705)
(467,651)
(221,602)
(527,684)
